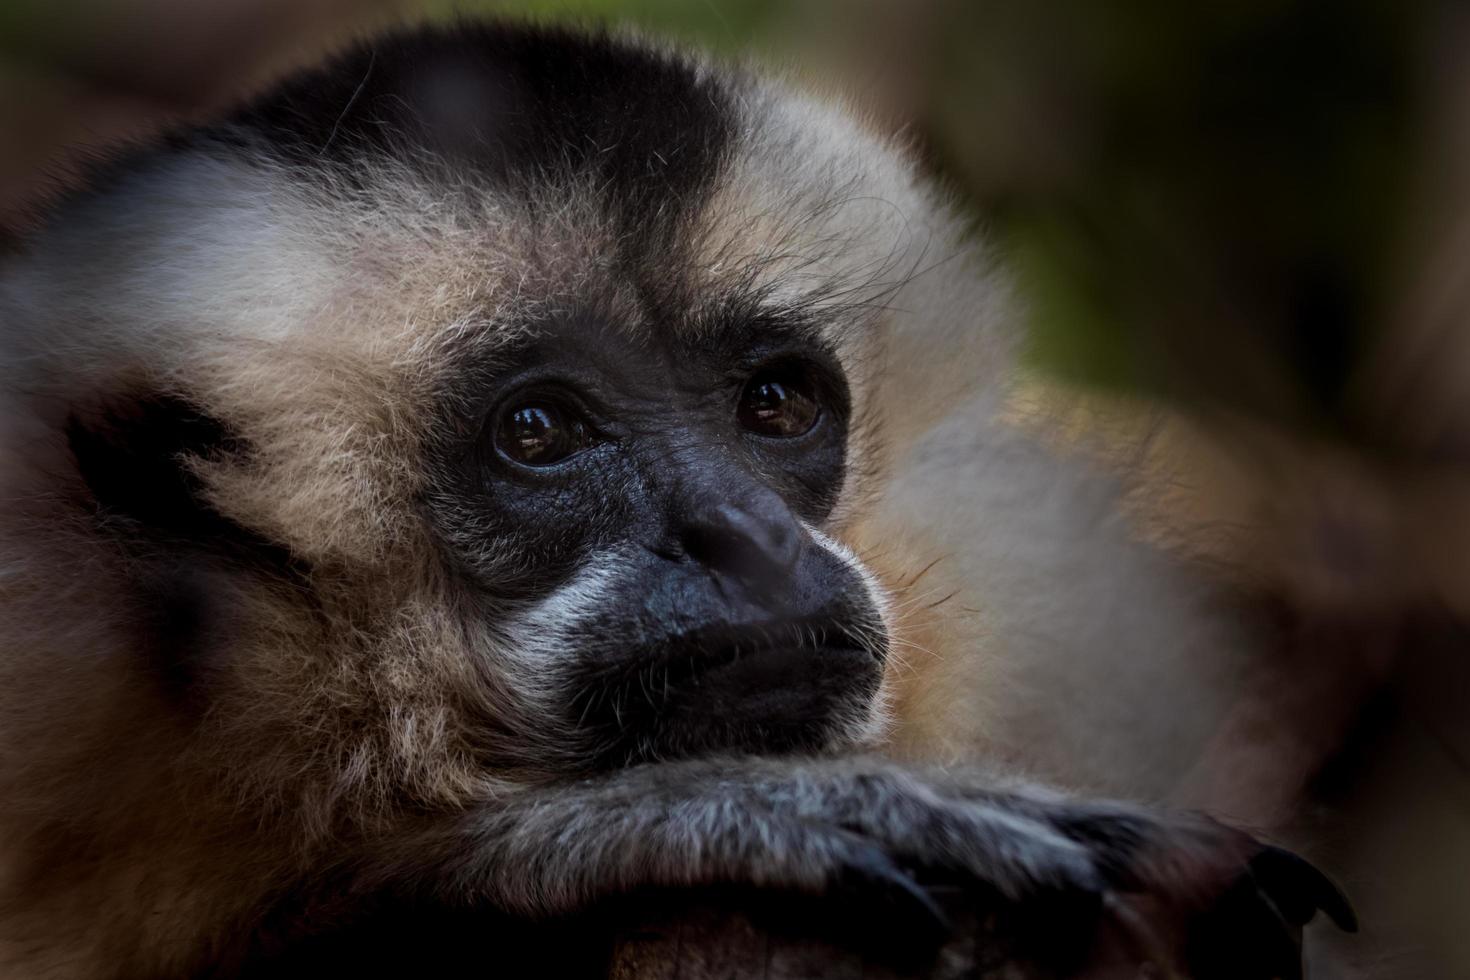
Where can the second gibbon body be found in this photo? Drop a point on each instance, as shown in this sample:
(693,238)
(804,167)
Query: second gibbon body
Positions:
(446,477)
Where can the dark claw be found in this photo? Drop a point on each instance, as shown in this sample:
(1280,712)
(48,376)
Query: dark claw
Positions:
(1298,889)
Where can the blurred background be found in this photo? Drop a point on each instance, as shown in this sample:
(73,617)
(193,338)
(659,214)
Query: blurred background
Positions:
(1243,234)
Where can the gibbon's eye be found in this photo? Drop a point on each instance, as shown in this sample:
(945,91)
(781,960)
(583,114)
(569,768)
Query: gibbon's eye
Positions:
(540,433)
(779,401)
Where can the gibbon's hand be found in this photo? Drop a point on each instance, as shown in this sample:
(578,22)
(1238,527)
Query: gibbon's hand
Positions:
(1068,879)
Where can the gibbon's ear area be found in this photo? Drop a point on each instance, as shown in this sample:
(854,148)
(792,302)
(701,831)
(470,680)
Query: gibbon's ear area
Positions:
(133,454)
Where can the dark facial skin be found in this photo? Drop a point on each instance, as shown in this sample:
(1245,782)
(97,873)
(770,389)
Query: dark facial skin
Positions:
(727,625)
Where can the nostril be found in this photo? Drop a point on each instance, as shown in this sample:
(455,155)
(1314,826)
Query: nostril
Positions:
(756,542)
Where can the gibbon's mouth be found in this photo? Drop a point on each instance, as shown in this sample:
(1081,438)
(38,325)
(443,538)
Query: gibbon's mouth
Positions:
(731,655)
(771,689)
(760,681)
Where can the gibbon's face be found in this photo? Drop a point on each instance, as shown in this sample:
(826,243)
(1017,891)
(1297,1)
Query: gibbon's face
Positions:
(529,378)
(663,496)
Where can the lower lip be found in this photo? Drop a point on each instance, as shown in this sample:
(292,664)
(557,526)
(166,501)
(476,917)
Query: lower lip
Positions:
(748,699)
(780,674)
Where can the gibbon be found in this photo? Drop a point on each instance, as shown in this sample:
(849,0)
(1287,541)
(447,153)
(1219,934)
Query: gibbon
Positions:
(505,468)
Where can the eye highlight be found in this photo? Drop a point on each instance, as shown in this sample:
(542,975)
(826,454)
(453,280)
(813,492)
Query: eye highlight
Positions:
(540,433)
(780,402)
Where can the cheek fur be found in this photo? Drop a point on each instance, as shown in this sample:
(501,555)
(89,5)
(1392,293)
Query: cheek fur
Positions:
(874,589)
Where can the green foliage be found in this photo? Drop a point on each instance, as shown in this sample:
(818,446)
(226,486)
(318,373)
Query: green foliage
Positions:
(1203,199)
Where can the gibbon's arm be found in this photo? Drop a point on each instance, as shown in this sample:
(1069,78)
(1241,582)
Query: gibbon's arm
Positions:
(848,828)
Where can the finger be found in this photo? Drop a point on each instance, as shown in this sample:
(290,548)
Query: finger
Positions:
(869,873)
(1299,889)
(1244,936)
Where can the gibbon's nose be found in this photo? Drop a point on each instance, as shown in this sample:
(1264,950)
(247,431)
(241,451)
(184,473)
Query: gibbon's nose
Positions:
(753,539)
